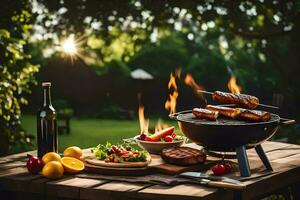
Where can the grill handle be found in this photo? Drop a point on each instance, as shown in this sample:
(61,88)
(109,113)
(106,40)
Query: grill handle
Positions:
(174,115)
(285,121)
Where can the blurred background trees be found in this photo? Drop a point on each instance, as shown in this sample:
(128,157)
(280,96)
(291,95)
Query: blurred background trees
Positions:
(16,71)
(257,41)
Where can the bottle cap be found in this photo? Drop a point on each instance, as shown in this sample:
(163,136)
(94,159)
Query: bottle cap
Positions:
(45,84)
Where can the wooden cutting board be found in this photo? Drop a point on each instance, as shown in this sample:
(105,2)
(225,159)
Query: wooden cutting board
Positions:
(157,165)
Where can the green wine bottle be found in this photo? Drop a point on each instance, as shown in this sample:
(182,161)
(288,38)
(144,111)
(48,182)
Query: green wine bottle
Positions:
(46,124)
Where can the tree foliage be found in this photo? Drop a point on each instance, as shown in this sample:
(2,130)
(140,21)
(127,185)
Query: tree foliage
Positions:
(252,27)
(16,71)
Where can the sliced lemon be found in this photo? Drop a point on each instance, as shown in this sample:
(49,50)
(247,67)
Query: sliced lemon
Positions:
(72,165)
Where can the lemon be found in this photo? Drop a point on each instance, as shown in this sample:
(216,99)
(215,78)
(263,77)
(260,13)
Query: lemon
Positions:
(51,156)
(72,165)
(73,151)
(53,170)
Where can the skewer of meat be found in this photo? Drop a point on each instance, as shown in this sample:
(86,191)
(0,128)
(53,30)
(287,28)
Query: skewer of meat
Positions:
(255,115)
(243,100)
(225,111)
(205,113)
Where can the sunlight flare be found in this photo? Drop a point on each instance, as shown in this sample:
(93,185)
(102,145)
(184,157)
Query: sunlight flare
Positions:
(69,45)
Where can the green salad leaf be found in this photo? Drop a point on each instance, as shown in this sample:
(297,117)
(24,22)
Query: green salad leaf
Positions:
(106,151)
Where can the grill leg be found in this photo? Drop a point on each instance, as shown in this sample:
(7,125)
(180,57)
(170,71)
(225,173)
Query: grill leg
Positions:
(243,161)
(263,157)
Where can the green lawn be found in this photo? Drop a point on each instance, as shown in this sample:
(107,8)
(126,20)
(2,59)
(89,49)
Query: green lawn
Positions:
(90,132)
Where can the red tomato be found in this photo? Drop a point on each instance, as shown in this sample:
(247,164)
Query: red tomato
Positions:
(228,168)
(116,150)
(142,136)
(168,138)
(148,139)
(173,135)
(218,169)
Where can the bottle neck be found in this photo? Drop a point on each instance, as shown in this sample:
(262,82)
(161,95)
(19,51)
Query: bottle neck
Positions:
(47,96)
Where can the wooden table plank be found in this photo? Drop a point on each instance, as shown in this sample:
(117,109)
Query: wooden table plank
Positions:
(12,171)
(24,182)
(184,191)
(113,190)
(291,160)
(273,182)
(70,186)
(12,164)
(270,145)
(19,156)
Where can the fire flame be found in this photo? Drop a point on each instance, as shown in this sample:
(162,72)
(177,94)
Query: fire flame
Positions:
(170,104)
(144,123)
(190,81)
(178,72)
(160,125)
(172,82)
(233,86)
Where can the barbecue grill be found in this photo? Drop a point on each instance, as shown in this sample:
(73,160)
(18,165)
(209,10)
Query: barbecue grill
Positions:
(230,135)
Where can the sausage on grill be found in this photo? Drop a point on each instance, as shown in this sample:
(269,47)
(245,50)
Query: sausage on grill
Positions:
(225,111)
(205,113)
(255,115)
(243,100)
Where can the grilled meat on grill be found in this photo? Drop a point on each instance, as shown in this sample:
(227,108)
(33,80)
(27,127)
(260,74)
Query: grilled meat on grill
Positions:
(225,111)
(243,100)
(205,113)
(255,115)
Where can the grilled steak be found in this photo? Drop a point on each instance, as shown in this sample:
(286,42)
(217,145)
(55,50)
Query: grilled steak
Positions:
(183,155)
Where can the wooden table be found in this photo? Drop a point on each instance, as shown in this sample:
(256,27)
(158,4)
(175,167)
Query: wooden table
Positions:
(17,183)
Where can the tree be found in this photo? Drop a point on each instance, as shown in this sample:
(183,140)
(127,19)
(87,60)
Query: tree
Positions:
(16,71)
(258,23)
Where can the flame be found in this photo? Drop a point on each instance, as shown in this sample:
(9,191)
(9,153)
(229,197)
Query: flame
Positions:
(170,104)
(160,125)
(178,72)
(233,86)
(190,81)
(172,82)
(144,123)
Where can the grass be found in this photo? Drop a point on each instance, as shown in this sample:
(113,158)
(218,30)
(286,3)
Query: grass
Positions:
(90,132)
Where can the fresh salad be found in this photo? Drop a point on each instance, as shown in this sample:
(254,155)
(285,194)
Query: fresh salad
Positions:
(119,153)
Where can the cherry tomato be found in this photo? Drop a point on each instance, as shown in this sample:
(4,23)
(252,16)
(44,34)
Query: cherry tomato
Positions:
(228,168)
(173,135)
(168,138)
(218,169)
(148,139)
(110,151)
(115,149)
(142,136)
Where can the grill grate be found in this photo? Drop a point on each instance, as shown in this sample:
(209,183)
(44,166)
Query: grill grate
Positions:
(189,117)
